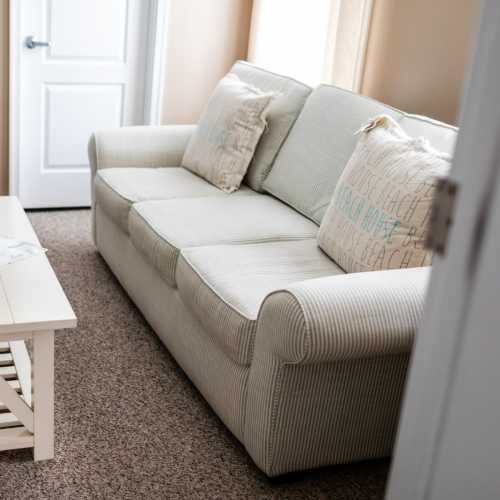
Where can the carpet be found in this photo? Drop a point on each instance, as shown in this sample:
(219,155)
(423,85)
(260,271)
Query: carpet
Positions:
(129,423)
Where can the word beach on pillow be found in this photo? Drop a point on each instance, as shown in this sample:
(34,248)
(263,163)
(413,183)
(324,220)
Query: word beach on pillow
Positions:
(228,132)
(380,210)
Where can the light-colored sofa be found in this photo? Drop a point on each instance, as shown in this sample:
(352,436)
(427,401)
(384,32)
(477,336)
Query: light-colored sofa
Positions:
(303,363)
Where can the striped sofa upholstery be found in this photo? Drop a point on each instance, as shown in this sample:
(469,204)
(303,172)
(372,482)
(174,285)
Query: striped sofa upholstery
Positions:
(303,363)
(329,368)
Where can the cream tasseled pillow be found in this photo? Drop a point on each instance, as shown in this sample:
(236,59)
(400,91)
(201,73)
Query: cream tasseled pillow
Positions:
(380,209)
(228,132)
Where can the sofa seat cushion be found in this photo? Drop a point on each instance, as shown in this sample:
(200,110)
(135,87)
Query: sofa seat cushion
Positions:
(117,189)
(224,286)
(160,229)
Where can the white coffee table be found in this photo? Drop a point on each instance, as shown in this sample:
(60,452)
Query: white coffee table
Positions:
(32,306)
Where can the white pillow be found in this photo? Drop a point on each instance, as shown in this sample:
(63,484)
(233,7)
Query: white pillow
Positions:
(380,210)
(228,132)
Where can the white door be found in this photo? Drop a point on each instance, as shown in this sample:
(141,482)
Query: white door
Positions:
(91,76)
(448,447)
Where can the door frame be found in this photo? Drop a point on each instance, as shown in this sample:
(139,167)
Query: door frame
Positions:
(156,47)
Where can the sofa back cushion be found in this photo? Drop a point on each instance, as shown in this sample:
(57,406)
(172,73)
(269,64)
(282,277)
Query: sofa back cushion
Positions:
(322,140)
(281,115)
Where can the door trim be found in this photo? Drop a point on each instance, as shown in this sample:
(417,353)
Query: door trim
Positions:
(157,20)
(14,93)
(155,66)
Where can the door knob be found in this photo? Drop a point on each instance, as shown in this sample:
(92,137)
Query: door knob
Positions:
(31,43)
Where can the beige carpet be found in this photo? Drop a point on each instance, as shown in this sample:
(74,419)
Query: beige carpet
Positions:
(129,424)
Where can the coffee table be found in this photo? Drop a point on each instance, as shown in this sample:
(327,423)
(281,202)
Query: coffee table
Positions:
(32,306)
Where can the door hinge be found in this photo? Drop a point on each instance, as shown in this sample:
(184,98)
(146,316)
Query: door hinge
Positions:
(441,215)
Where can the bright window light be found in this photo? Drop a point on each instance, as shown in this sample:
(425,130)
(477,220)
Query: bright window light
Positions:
(291,37)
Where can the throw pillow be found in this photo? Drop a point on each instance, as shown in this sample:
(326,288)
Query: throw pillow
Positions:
(228,132)
(380,209)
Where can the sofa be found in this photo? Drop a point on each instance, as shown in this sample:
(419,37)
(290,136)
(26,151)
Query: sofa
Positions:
(303,363)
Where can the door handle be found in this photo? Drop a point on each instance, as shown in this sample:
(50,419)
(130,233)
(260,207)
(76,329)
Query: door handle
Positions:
(31,43)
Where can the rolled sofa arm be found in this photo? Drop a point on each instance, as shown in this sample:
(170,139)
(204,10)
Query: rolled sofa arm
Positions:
(136,147)
(145,146)
(329,367)
(351,316)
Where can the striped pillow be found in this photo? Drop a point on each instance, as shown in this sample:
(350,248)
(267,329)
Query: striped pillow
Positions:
(224,143)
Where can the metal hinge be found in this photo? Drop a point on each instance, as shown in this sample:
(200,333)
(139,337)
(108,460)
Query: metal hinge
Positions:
(441,215)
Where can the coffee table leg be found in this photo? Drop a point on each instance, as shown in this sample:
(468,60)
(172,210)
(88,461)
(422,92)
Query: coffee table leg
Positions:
(43,394)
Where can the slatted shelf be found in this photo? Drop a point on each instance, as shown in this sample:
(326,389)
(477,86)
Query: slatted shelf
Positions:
(8,419)
(9,372)
(6,359)
(12,438)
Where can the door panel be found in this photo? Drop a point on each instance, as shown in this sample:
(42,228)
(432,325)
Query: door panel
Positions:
(68,23)
(96,106)
(91,77)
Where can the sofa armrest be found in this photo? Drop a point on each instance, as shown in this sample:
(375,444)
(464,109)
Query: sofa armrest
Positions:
(329,368)
(344,317)
(146,146)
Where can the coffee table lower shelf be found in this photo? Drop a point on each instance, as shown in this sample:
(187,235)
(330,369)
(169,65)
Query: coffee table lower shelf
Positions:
(27,393)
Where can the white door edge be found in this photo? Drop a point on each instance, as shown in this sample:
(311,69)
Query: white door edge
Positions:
(153,92)
(14,94)
(440,340)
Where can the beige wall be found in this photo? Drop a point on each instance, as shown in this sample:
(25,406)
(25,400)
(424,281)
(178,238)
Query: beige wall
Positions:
(4,96)
(418,52)
(204,40)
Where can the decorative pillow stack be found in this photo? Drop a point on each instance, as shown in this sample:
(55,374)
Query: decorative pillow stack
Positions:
(228,132)
(381,206)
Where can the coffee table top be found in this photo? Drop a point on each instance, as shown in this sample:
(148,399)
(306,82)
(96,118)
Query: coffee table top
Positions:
(31,297)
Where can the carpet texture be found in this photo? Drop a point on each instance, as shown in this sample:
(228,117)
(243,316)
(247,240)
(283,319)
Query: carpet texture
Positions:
(129,423)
